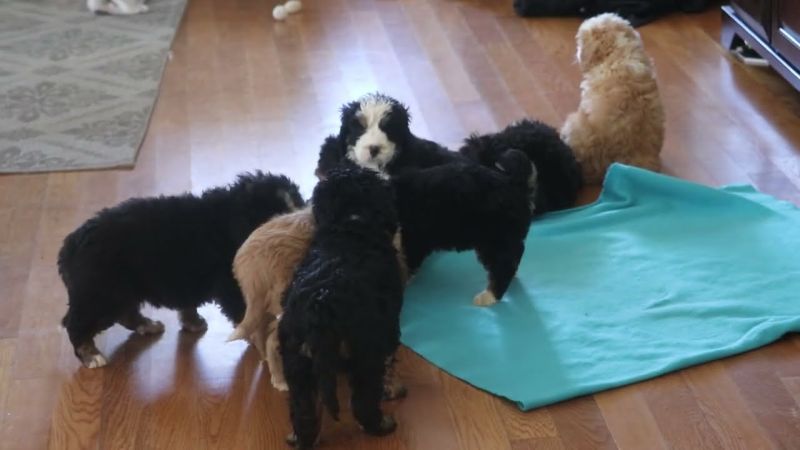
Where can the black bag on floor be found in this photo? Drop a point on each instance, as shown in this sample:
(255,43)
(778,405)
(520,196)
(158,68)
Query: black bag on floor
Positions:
(637,12)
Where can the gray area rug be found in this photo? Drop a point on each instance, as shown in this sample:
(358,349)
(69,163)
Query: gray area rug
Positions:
(77,90)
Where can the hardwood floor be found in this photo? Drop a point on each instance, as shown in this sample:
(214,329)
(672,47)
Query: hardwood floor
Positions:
(243,92)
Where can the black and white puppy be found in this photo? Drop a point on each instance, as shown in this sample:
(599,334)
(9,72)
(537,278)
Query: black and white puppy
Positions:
(558,174)
(342,309)
(468,206)
(173,252)
(375,133)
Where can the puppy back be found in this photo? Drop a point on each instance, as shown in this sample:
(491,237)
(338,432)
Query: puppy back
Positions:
(265,263)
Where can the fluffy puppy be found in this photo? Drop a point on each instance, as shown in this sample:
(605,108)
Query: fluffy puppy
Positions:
(464,207)
(173,252)
(620,117)
(558,174)
(375,133)
(264,267)
(342,310)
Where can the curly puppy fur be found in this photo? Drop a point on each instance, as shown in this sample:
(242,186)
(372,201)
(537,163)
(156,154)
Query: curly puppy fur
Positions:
(375,133)
(620,117)
(173,252)
(264,267)
(558,174)
(464,207)
(342,310)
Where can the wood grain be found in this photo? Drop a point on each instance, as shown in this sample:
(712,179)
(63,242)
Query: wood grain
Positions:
(551,443)
(525,425)
(581,425)
(738,427)
(475,418)
(629,419)
(678,414)
(7,348)
(243,92)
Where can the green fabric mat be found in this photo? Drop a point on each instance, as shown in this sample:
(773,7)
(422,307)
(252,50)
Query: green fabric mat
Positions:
(657,275)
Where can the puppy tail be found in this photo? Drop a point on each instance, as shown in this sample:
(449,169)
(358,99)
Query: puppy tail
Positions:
(517,165)
(238,333)
(250,324)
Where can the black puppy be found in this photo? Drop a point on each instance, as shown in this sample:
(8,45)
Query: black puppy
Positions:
(342,310)
(558,174)
(468,206)
(174,252)
(375,133)
(462,206)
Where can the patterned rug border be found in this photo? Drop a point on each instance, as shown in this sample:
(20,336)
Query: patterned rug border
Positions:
(78,91)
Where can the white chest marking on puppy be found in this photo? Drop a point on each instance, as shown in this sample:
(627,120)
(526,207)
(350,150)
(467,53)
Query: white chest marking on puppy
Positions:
(373,149)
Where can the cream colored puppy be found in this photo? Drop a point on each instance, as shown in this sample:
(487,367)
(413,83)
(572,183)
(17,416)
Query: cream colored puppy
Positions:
(264,266)
(620,117)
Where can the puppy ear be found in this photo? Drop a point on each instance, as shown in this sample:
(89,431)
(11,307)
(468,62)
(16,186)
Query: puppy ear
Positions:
(406,113)
(333,197)
(323,205)
(331,154)
(354,190)
(594,49)
(403,117)
(348,114)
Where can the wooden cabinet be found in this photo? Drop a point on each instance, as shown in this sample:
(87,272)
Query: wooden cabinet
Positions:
(786,32)
(771,28)
(756,13)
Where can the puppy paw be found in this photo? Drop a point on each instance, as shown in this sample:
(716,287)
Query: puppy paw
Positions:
(196,325)
(485,298)
(95,361)
(294,441)
(387,426)
(150,327)
(279,384)
(394,391)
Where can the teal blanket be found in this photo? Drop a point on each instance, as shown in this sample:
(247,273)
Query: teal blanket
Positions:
(657,275)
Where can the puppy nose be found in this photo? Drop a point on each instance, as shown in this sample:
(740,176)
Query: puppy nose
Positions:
(374,150)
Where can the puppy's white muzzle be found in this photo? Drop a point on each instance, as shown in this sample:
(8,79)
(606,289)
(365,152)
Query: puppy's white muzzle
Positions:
(373,149)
